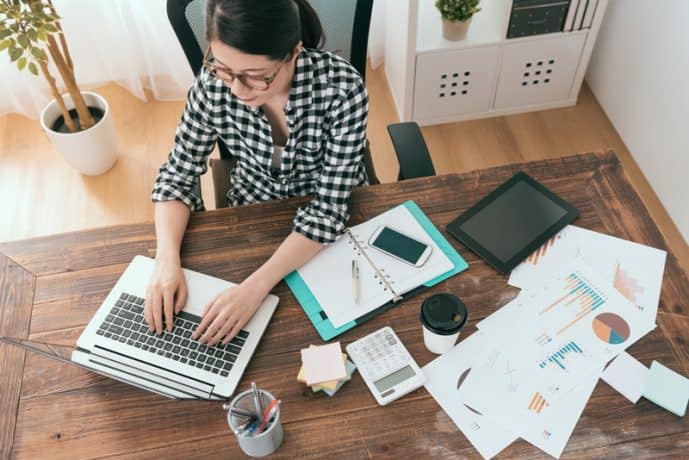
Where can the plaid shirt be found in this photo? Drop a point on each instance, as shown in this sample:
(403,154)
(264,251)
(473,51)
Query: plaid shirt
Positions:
(326,113)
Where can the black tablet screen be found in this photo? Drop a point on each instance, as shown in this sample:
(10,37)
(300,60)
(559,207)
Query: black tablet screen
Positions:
(513,220)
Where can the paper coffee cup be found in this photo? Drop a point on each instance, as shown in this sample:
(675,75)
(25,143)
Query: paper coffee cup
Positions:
(443,316)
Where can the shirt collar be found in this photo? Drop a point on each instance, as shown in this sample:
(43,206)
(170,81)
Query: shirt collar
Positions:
(302,86)
(302,82)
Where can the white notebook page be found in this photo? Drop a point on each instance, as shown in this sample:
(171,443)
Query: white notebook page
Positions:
(329,274)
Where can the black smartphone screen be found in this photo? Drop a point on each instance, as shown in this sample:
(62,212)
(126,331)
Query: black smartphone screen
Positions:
(400,245)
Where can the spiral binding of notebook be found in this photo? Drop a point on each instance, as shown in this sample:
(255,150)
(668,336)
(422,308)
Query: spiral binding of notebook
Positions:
(322,286)
(384,279)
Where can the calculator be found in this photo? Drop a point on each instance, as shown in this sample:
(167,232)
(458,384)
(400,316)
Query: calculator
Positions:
(386,366)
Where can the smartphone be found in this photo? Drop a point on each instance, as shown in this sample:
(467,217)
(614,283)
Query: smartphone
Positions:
(400,246)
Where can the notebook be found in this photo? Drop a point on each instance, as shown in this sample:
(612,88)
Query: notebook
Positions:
(323,286)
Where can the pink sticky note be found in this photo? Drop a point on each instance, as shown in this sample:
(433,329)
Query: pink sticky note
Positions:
(323,363)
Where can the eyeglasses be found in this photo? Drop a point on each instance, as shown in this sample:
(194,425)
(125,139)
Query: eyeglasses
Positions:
(261,83)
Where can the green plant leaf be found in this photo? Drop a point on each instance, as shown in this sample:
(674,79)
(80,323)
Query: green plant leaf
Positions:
(50,28)
(23,41)
(36,52)
(21,63)
(15,53)
(33,69)
(42,35)
(32,34)
(4,44)
(4,33)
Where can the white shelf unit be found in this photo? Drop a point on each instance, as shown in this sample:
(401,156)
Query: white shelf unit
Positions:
(433,80)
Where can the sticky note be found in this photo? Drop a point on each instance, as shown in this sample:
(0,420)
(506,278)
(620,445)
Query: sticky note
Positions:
(331,384)
(350,370)
(323,363)
(626,375)
(667,388)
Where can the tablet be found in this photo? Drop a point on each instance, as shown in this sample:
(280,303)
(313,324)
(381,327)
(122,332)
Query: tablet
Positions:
(512,222)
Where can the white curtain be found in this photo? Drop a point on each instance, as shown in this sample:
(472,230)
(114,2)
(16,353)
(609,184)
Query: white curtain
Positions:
(129,42)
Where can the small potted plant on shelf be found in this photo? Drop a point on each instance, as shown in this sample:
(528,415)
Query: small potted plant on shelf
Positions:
(78,123)
(456,16)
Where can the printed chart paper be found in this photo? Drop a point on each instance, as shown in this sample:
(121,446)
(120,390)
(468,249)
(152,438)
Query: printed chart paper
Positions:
(444,378)
(635,270)
(557,338)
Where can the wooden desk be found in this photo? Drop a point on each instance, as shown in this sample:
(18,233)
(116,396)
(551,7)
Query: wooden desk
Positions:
(50,287)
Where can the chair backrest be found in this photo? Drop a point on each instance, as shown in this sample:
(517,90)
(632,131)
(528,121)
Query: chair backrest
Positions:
(345,22)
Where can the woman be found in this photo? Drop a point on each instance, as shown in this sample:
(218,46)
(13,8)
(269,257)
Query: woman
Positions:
(293,116)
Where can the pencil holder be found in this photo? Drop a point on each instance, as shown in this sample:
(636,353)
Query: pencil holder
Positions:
(253,443)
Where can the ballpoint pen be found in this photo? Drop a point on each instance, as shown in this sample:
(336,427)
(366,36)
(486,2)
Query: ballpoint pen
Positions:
(355,280)
(238,411)
(257,400)
(269,413)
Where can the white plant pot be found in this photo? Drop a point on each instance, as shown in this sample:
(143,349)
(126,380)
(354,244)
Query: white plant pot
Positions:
(455,30)
(92,151)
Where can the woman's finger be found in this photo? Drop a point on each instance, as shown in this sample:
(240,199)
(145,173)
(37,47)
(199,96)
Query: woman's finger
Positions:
(207,318)
(148,309)
(181,298)
(227,326)
(233,332)
(212,329)
(168,306)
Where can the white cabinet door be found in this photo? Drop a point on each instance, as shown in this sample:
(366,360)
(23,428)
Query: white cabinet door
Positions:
(538,71)
(455,82)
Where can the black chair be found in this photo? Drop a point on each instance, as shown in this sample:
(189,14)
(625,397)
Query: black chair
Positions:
(346,25)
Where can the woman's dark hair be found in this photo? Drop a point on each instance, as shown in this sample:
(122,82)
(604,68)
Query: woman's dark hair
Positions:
(266,27)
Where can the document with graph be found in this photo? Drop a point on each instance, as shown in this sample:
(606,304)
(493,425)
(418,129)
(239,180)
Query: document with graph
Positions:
(550,340)
(635,270)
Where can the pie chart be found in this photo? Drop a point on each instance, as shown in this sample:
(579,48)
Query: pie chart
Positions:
(611,328)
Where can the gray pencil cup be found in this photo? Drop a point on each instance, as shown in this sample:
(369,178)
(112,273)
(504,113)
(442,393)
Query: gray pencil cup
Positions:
(255,445)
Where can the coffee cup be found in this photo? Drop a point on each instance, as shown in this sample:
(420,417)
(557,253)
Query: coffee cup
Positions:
(442,316)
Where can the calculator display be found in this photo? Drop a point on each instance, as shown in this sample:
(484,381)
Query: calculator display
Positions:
(393,379)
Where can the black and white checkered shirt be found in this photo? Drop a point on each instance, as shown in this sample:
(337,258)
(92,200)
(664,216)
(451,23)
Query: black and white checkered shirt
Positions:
(326,113)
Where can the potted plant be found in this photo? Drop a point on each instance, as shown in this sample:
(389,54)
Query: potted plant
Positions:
(456,16)
(79,124)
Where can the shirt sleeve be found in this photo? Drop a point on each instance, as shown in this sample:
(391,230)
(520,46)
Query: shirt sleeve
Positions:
(187,161)
(325,217)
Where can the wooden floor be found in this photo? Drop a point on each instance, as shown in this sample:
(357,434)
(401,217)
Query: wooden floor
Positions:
(43,195)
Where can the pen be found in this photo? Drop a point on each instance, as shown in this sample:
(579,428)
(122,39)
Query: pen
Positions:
(268,414)
(355,280)
(239,411)
(257,400)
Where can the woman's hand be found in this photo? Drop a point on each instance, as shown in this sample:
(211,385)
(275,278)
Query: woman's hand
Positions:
(166,293)
(228,312)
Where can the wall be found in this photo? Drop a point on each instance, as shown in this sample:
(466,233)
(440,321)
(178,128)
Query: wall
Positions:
(639,73)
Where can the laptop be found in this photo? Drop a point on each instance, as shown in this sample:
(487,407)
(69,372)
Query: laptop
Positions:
(118,344)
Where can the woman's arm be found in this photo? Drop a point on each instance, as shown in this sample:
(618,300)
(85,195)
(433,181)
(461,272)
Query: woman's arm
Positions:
(167,289)
(231,309)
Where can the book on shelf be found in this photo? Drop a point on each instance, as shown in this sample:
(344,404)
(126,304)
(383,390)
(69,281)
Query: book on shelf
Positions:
(535,17)
(580,14)
(589,14)
(571,14)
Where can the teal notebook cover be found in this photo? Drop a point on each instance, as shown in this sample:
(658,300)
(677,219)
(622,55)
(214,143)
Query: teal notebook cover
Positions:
(315,312)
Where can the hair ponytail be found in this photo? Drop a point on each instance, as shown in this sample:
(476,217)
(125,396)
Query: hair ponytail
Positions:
(266,27)
(312,35)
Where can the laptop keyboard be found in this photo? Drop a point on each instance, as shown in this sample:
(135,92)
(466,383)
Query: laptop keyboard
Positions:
(125,323)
